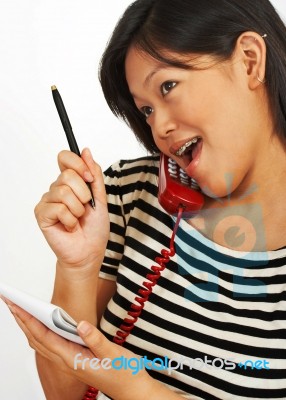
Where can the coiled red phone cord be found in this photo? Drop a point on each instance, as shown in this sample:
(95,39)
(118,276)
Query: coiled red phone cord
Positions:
(143,296)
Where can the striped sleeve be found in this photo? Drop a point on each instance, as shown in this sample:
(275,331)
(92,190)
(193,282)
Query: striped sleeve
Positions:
(124,181)
(115,244)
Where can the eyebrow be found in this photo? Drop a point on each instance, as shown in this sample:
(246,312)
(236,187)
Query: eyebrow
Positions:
(149,77)
(152,73)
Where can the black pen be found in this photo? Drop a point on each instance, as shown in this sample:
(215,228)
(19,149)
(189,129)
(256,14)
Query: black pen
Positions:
(68,130)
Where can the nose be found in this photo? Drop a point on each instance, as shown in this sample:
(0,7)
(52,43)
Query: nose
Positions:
(163,123)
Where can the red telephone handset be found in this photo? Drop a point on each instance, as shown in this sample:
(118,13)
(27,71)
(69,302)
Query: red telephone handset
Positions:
(177,189)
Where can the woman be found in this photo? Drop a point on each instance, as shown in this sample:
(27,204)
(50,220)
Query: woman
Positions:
(204,83)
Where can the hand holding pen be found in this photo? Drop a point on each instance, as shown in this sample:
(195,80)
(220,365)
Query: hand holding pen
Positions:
(68,130)
(76,233)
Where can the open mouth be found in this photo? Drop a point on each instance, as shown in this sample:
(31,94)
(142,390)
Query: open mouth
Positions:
(189,150)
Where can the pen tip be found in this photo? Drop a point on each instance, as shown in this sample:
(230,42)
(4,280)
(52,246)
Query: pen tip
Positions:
(54,87)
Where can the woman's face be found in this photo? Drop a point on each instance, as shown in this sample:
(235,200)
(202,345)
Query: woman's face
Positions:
(207,120)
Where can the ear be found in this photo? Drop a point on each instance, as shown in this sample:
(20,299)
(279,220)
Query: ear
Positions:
(252,48)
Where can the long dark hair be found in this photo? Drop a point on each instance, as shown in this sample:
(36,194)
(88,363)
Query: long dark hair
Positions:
(191,26)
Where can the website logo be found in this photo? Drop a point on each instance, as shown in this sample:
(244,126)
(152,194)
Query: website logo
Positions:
(203,258)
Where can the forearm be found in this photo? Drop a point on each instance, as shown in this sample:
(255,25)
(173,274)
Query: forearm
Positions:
(76,291)
(160,391)
(148,389)
(56,384)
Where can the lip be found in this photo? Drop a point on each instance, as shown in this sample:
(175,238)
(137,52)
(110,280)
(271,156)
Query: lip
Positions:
(191,168)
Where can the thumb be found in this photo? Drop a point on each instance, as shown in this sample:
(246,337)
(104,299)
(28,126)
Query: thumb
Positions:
(97,186)
(96,341)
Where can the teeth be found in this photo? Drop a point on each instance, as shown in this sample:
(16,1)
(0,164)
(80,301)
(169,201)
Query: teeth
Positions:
(185,146)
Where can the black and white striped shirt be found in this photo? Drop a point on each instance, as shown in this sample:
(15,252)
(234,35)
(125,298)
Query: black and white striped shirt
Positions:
(219,314)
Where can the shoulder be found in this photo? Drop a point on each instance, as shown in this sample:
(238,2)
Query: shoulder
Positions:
(133,174)
(133,168)
(130,182)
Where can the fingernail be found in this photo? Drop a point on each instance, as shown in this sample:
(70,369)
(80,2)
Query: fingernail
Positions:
(11,308)
(88,151)
(84,328)
(87,176)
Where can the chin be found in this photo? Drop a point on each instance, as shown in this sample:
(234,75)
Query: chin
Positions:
(218,190)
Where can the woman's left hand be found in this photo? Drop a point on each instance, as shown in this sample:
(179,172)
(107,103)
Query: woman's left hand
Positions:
(95,364)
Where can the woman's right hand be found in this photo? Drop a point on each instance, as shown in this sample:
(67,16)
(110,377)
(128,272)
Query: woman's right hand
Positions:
(75,231)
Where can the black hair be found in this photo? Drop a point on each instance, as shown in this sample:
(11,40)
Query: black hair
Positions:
(191,26)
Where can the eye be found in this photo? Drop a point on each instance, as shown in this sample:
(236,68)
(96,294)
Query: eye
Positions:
(166,87)
(147,111)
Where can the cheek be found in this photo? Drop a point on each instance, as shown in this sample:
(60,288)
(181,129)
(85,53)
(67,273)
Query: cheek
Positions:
(162,145)
(159,143)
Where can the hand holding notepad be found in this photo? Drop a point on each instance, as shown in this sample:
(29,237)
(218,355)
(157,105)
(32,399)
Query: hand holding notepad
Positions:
(54,317)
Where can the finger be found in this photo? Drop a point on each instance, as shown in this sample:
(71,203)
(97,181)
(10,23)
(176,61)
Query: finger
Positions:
(73,180)
(97,342)
(97,185)
(43,340)
(20,315)
(70,160)
(51,214)
(64,194)
(32,342)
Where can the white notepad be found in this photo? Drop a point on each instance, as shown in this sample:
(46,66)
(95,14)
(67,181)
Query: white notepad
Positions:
(54,317)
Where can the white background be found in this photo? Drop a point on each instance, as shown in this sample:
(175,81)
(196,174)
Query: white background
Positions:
(44,43)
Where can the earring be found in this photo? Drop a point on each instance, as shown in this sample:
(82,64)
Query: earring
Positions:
(261,80)
(263,36)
